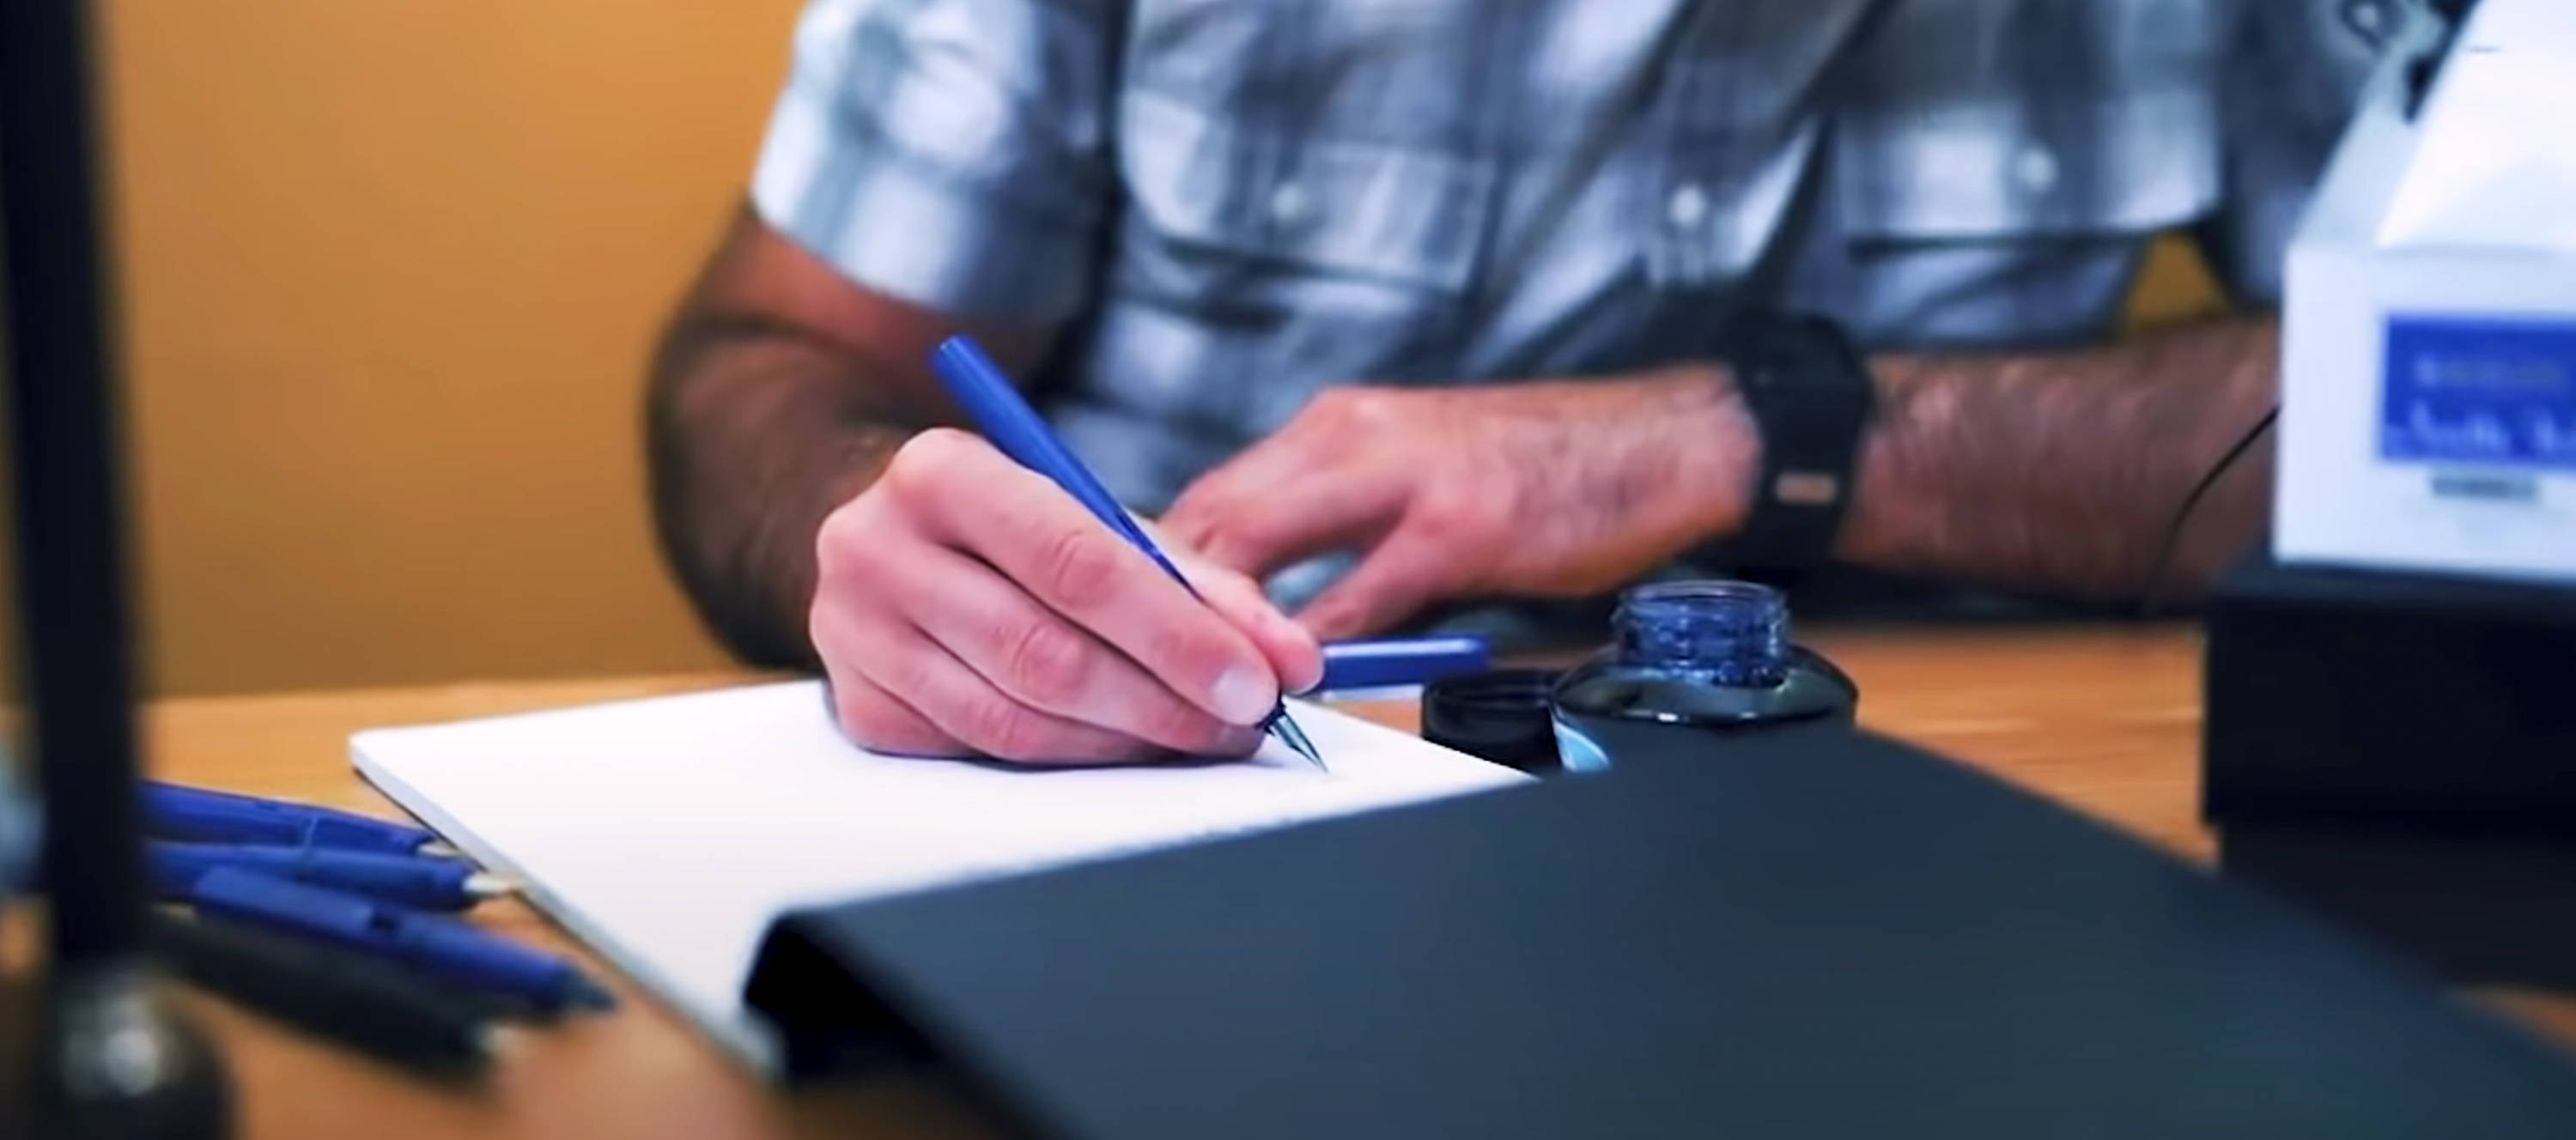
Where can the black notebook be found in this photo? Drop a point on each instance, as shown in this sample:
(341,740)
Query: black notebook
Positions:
(1837,938)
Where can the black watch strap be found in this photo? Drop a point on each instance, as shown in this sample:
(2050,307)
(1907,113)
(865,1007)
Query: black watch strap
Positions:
(1810,395)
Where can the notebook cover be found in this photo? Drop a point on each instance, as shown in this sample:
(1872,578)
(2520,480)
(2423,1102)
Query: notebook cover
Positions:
(1839,938)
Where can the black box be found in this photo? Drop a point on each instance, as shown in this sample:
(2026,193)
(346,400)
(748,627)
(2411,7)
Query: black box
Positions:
(2355,695)
(2399,752)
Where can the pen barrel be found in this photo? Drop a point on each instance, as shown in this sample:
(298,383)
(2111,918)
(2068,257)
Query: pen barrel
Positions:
(358,833)
(431,884)
(198,815)
(441,947)
(169,813)
(1016,430)
(412,880)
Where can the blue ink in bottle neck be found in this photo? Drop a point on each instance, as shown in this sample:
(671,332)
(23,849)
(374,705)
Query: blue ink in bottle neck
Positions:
(1728,633)
(1690,665)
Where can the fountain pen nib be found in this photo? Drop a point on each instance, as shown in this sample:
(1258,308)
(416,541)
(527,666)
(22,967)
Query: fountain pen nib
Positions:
(1295,738)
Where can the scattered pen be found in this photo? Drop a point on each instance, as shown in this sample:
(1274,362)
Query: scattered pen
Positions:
(368,1003)
(1015,429)
(1393,661)
(424,881)
(171,811)
(444,947)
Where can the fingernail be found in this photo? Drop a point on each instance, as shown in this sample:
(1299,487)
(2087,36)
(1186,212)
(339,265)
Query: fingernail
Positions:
(1285,628)
(1308,684)
(1242,696)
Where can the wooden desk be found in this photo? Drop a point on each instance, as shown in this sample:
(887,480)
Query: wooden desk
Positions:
(2104,720)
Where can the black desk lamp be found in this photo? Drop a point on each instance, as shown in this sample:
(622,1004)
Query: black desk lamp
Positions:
(109,1057)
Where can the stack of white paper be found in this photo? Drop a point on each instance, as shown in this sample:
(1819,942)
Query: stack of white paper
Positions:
(668,833)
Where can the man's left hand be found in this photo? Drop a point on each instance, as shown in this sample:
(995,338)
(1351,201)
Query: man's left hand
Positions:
(1543,488)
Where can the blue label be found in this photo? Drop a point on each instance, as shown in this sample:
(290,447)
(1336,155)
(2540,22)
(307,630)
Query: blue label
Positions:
(2478,391)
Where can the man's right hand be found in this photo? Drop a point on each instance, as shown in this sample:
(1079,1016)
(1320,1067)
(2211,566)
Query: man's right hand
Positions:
(964,605)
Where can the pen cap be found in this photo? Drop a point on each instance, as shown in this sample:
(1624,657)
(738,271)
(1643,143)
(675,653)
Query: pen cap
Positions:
(1501,716)
(1382,662)
(506,966)
(440,946)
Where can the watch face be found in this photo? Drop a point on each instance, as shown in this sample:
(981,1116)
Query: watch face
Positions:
(1807,488)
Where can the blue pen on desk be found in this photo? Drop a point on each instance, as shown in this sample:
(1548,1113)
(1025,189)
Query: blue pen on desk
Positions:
(424,881)
(1015,429)
(1392,661)
(174,812)
(441,947)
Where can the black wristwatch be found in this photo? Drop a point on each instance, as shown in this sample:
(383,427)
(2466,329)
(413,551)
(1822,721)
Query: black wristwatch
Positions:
(1811,396)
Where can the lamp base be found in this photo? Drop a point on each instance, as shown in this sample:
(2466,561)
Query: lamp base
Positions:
(108,1058)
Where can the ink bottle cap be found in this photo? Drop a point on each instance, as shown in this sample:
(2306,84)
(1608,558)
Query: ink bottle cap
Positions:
(1500,715)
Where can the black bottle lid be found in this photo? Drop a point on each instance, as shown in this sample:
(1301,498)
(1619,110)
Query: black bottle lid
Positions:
(1500,716)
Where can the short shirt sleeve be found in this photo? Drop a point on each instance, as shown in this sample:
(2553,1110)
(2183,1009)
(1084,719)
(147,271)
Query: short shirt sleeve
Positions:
(948,152)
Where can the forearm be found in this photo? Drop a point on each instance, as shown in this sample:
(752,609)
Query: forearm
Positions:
(2061,472)
(755,433)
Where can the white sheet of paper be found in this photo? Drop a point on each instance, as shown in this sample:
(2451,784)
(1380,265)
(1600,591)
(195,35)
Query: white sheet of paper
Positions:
(668,833)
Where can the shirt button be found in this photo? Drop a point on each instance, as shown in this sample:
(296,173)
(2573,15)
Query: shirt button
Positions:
(1687,206)
(2366,18)
(2035,169)
(1288,204)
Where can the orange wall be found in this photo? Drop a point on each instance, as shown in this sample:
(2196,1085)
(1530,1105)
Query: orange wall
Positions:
(391,270)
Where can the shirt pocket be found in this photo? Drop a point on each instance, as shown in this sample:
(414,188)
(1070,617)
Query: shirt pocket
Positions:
(1224,214)
(2010,223)
(2098,165)
(1962,120)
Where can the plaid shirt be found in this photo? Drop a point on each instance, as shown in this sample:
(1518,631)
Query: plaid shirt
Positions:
(1227,204)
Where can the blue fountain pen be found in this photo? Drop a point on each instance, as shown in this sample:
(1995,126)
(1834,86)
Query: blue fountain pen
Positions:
(423,881)
(202,815)
(457,952)
(1015,429)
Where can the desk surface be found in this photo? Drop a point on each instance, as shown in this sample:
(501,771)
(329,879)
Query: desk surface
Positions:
(2105,720)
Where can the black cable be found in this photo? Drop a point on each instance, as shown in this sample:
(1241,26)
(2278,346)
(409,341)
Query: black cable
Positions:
(2165,550)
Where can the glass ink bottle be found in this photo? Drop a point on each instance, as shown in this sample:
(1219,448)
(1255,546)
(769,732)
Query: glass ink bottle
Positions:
(1693,664)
